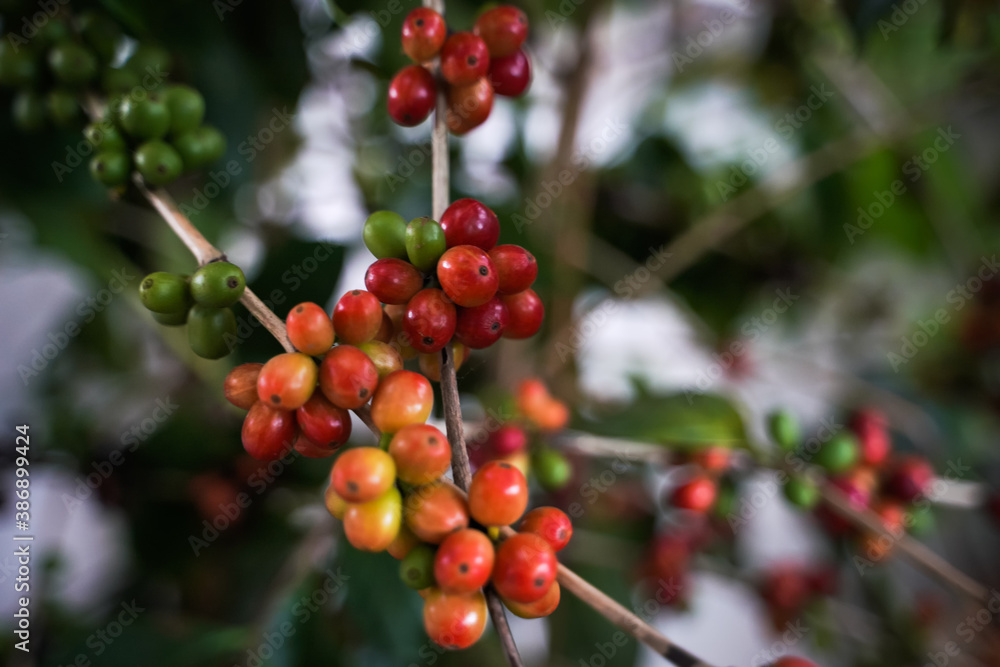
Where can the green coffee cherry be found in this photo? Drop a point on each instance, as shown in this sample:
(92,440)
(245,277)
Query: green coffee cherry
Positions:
(145,119)
(104,136)
(165,293)
(72,63)
(921,520)
(384,234)
(17,68)
(101,33)
(29,111)
(118,80)
(110,167)
(187,108)
(838,454)
(726,499)
(210,330)
(425,243)
(200,147)
(416,569)
(784,429)
(158,163)
(218,284)
(150,59)
(801,491)
(172,319)
(62,107)
(551,469)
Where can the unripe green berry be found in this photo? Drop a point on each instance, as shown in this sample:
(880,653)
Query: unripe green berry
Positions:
(384,234)
(101,33)
(165,293)
(218,284)
(838,454)
(158,163)
(784,429)
(72,63)
(416,569)
(172,319)
(200,147)
(150,59)
(801,491)
(104,136)
(425,243)
(210,330)
(63,108)
(147,118)
(118,80)
(551,469)
(110,167)
(187,108)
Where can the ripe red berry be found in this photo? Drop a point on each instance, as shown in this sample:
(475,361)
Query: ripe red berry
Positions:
(697,494)
(435,511)
(483,325)
(240,386)
(464,561)
(510,75)
(386,330)
(792,661)
(309,329)
(347,377)
(412,95)
(470,222)
(268,434)
(362,474)
(468,106)
(869,425)
(525,568)
(393,280)
(909,478)
(540,608)
(464,59)
(508,439)
(467,276)
(503,28)
(357,317)
(403,398)
(421,452)
(516,268)
(323,422)
(429,320)
(498,494)
(424,32)
(287,380)
(454,621)
(525,312)
(549,523)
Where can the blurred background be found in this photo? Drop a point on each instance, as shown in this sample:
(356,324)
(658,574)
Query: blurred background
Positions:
(736,206)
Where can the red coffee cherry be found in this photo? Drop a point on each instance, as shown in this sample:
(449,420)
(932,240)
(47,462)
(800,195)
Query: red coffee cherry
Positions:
(516,268)
(525,313)
(412,95)
(386,330)
(362,474)
(467,276)
(323,422)
(468,106)
(312,450)
(549,523)
(909,478)
(483,325)
(422,453)
(464,59)
(498,494)
(347,377)
(508,439)
(435,511)
(464,562)
(403,398)
(372,526)
(287,381)
(697,494)
(357,317)
(792,661)
(335,505)
(309,329)
(469,222)
(393,281)
(268,434)
(424,32)
(429,320)
(540,608)
(403,544)
(240,386)
(385,357)
(525,568)
(510,75)
(869,425)
(454,621)
(503,28)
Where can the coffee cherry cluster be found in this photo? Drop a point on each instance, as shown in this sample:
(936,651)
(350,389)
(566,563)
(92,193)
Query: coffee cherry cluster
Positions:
(473,67)
(521,440)
(148,125)
(201,301)
(443,284)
